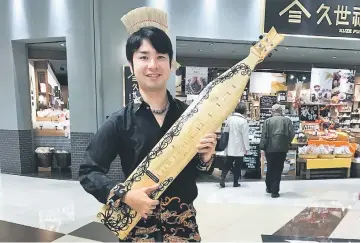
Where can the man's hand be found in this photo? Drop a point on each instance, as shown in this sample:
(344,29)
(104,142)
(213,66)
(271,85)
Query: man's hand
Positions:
(139,200)
(207,146)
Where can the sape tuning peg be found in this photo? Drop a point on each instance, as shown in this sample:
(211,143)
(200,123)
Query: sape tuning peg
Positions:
(260,37)
(254,43)
(270,54)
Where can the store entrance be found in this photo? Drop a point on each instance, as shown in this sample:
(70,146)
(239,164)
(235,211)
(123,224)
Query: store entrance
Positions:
(317,87)
(49,96)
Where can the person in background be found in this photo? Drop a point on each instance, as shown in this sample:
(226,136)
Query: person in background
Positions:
(238,143)
(277,135)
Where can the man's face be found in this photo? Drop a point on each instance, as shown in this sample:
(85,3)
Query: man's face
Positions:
(151,69)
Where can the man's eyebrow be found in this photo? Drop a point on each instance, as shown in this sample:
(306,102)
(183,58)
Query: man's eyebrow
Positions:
(147,52)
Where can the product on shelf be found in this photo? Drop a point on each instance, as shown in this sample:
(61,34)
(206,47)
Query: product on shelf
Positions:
(310,126)
(254,132)
(301,138)
(308,151)
(329,135)
(326,151)
(343,151)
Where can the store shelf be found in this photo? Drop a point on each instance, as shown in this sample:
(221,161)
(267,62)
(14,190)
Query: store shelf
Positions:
(50,132)
(51,119)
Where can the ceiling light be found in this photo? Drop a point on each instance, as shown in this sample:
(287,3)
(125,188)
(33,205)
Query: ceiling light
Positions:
(304,78)
(286,48)
(200,50)
(334,57)
(214,49)
(211,44)
(62,44)
(291,76)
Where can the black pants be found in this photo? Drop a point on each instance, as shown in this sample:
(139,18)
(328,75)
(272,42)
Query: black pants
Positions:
(275,163)
(237,168)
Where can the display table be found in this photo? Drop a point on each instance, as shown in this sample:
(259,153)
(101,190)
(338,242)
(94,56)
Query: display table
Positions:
(294,146)
(355,168)
(336,168)
(337,143)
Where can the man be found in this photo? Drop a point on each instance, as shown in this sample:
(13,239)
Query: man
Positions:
(238,143)
(277,135)
(132,132)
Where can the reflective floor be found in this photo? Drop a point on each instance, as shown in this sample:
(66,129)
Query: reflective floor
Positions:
(47,210)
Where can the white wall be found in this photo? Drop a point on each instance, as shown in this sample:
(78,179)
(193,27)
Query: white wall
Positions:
(32,92)
(22,86)
(52,80)
(31,21)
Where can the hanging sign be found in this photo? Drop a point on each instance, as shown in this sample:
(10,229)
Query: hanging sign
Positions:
(130,86)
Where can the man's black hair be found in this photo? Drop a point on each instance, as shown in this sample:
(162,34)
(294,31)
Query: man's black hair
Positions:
(241,108)
(158,38)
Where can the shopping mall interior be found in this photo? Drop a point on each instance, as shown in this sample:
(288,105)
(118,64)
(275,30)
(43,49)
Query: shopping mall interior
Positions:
(65,74)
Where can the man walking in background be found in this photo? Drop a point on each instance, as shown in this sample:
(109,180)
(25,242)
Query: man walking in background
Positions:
(277,134)
(238,143)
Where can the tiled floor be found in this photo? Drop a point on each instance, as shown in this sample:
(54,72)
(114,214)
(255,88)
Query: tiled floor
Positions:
(46,210)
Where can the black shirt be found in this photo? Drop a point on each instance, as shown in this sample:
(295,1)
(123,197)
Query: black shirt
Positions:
(131,133)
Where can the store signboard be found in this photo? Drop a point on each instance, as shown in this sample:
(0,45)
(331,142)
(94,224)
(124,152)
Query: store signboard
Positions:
(196,80)
(267,101)
(281,96)
(308,112)
(251,161)
(298,84)
(332,84)
(130,86)
(326,18)
(267,83)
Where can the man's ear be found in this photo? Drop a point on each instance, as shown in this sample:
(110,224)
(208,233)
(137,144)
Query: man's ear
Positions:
(131,68)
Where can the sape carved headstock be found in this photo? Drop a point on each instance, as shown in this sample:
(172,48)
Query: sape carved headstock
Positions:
(266,44)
